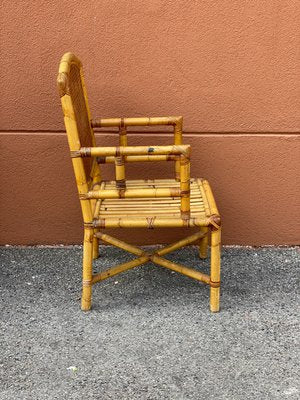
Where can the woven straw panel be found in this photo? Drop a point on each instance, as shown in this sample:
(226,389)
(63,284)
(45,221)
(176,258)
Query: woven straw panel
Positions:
(81,115)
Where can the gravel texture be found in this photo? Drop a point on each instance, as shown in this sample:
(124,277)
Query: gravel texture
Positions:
(150,334)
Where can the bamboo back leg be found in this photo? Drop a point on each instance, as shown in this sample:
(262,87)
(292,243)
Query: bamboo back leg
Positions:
(215,269)
(87,270)
(203,243)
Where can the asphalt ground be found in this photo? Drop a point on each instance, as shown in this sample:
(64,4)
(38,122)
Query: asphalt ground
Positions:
(150,334)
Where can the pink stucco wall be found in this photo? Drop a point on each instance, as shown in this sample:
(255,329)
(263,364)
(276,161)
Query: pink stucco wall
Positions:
(232,69)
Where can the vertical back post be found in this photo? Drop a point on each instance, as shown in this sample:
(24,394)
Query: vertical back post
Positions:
(178,141)
(185,186)
(120,160)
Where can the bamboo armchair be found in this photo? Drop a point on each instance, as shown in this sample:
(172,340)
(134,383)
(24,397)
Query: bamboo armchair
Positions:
(160,203)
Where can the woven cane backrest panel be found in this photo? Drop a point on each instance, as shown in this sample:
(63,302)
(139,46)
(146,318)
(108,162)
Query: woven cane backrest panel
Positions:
(81,114)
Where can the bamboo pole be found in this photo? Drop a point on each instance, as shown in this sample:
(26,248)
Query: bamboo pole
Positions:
(131,159)
(192,273)
(139,121)
(156,202)
(97,205)
(119,268)
(146,205)
(154,181)
(149,222)
(209,196)
(120,175)
(131,193)
(120,161)
(148,202)
(215,269)
(185,187)
(177,245)
(130,151)
(122,136)
(87,270)
(178,141)
(74,143)
(158,213)
(120,244)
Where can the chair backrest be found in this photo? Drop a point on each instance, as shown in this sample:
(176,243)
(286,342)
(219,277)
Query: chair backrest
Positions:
(76,113)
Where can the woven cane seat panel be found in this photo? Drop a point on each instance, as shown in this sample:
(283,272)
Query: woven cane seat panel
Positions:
(167,207)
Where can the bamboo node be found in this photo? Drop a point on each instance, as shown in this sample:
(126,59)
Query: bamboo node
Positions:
(75,153)
(185,193)
(99,223)
(119,161)
(185,215)
(184,160)
(101,159)
(214,284)
(174,192)
(96,123)
(86,283)
(120,183)
(121,192)
(85,152)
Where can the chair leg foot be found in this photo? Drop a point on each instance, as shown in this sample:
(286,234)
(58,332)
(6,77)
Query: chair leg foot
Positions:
(214,299)
(87,271)
(86,302)
(215,269)
(203,243)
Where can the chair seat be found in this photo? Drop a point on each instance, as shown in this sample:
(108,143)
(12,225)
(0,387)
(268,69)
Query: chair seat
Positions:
(158,212)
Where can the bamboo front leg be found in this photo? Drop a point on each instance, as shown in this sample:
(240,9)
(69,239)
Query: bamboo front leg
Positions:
(87,270)
(203,243)
(215,269)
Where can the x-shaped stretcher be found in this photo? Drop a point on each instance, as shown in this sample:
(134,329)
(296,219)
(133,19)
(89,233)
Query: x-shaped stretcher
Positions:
(155,257)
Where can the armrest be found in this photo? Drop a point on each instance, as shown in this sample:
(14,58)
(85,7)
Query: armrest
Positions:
(131,151)
(122,123)
(141,121)
(183,151)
